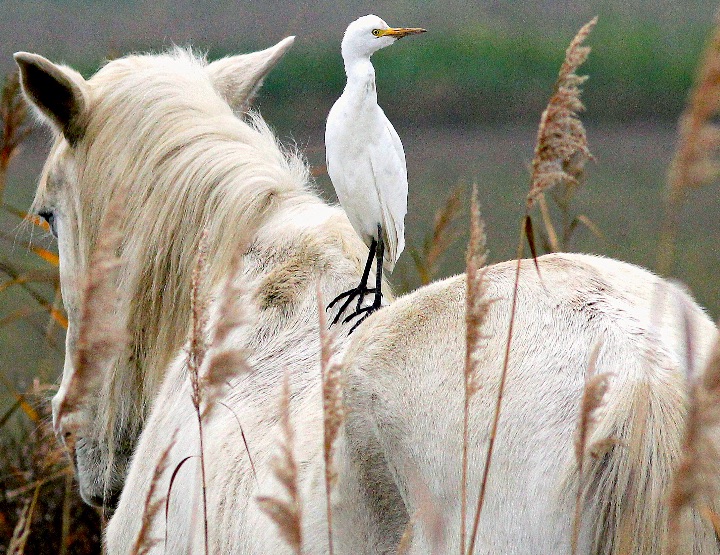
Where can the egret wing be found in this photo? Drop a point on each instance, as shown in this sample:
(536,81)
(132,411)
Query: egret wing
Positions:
(350,169)
(390,176)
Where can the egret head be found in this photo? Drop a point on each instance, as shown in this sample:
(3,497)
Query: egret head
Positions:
(368,34)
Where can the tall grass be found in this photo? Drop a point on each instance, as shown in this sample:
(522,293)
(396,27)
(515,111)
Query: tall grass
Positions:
(333,408)
(37,475)
(476,309)
(696,162)
(697,483)
(596,386)
(561,146)
(40,509)
(153,503)
(286,513)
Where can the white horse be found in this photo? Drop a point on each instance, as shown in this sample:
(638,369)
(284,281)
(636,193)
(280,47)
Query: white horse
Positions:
(168,129)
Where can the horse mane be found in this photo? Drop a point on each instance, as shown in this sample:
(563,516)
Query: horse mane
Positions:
(159,131)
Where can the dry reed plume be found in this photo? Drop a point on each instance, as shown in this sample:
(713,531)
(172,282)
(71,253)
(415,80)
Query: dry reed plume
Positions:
(195,357)
(13,111)
(696,479)
(286,514)
(333,409)
(223,362)
(226,360)
(444,234)
(696,161)
(561,149)
(596,386)
(102,333)
(477,306)
(144,543)
(560,153)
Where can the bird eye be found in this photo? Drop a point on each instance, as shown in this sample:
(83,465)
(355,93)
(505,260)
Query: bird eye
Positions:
(49,217)
(376,32)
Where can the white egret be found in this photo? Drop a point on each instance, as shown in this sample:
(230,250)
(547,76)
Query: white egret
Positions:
(366,161)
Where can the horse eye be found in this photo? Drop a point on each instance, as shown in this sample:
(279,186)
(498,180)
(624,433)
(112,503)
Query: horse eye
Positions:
(49,217)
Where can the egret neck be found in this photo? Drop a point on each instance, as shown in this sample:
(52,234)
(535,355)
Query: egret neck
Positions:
(360,74)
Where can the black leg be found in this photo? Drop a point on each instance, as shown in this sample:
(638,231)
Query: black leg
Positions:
(379,268)
(377,301)
(360,291)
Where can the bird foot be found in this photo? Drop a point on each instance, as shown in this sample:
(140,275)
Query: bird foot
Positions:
(365,312)
(350,295)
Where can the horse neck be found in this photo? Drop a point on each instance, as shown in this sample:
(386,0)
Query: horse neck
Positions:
(302,249)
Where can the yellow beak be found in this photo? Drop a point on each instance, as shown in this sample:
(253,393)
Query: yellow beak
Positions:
(401,32)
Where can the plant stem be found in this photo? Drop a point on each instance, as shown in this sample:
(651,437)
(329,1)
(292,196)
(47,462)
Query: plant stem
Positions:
(498,403)
(547,221)
(463,489)
(202,473)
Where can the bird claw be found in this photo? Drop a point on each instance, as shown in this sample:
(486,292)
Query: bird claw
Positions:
(340,296)
(369,309)
(360,321)
(351,294)
(365,311)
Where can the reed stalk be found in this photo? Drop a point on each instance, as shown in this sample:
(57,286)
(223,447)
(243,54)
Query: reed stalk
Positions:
(560,150)
(333,410)
(476,309)
(286,513)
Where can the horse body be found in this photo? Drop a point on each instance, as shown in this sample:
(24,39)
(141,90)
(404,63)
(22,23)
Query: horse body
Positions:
(405,385)
(162,127)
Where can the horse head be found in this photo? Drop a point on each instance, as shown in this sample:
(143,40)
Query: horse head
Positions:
(76,184)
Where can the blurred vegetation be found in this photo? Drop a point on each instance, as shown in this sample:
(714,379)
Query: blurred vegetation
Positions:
(485,75)
(494,81)
(490,77)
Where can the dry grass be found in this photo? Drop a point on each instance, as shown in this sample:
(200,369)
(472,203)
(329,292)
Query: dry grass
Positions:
(13,112)
(476,309)
(102,333)
(22,529)
(443,236)
(15,130)
(333,409)
(561,149)
(144,543)
(560,156)
(697,156)
(696,483)
(596,386)
(225,359)
(560,153)
(195,358)
(33,461)
(286,513)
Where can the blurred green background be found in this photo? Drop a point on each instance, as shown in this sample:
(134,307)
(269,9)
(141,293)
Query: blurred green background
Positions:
(465,98)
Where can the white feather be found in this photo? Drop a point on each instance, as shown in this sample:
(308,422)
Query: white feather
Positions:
(365,157)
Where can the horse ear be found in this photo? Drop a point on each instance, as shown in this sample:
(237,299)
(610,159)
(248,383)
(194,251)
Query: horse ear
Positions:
(58,93)
(238,78)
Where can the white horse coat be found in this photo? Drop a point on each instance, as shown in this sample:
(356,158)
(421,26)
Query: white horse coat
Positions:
(163,127)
